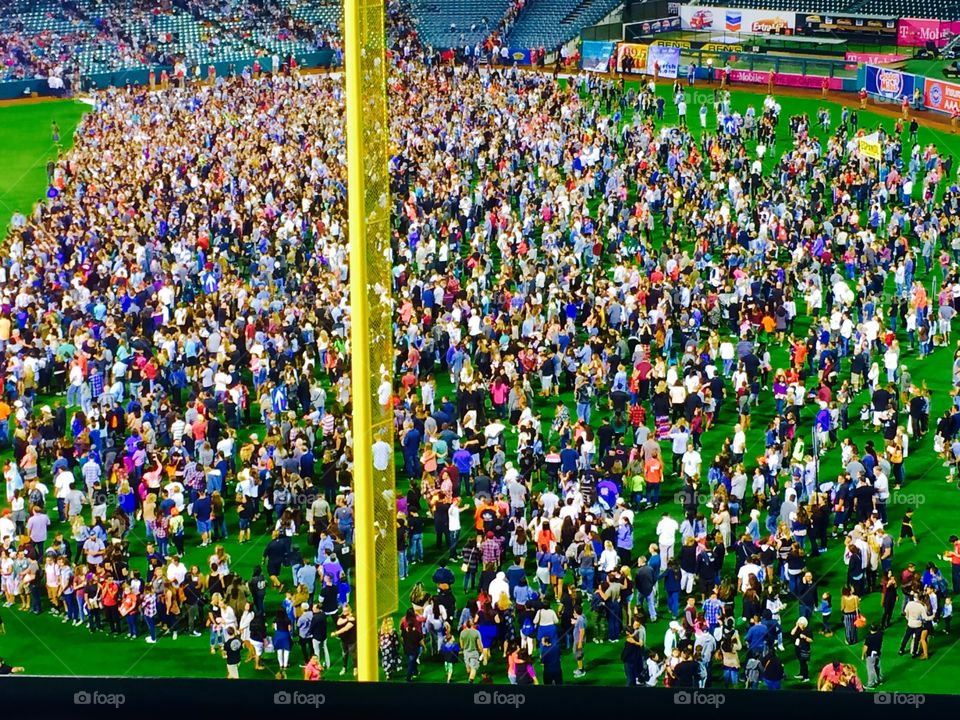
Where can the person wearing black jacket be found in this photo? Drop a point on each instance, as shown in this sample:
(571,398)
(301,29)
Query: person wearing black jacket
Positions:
(772,672)
(872,646)
(318,634)
(193,602)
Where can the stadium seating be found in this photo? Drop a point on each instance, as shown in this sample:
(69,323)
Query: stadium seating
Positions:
(38,37)
(549,23)
(821,6)
(455,23)
(943,9)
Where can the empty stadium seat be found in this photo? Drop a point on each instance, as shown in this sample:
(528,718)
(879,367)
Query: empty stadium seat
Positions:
(549,23)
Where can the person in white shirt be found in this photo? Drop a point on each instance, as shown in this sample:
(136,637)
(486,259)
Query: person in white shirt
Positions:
(176,570)
(549,500)
(609,559)
(691,462)
(667,537)
(61,488)
(739,444)
(454,526)
(743,576)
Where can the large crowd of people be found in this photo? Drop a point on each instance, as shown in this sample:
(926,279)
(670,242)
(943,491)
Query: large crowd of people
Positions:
(587,297)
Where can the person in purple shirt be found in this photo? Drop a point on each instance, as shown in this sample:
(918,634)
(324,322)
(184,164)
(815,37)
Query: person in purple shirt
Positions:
(463,460)
(37,527)
(332,567)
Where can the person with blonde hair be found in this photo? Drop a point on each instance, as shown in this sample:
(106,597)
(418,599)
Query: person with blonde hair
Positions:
(802,641)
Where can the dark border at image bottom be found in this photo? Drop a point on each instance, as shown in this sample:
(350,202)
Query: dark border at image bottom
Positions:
(102,697)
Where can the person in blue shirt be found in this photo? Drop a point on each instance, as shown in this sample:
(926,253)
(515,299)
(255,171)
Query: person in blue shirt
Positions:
(443,575)
(202,509)
(550,657)
(410,443)
(756,637)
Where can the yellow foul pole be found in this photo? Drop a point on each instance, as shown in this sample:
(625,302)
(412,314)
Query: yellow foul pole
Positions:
(371,341)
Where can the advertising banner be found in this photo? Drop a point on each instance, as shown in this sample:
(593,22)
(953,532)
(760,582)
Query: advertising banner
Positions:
(869,146)
(809,23)
(596,55)
(655,27)
(521,56)
(682,44)
(638,58)
(874,58)
(807,81)
(665,59)
(736,20)
(888,83)
(762,77)
(941,96)
(917,32)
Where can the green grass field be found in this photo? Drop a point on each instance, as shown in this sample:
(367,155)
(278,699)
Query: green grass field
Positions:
(47,647)
(27,145)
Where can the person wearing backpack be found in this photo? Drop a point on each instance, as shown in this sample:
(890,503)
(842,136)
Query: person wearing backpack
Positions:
(752,671)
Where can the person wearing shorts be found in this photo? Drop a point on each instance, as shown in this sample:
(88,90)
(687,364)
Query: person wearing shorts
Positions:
(233,647)
(472,649)
(202,513)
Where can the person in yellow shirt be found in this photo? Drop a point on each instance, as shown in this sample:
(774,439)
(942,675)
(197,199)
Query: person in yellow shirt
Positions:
(5,411)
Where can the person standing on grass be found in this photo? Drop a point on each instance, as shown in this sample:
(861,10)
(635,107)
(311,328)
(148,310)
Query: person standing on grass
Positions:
(916,615)
(37,527)
(282,642)
(148,609)
(872,647)
(803,642)
(412,638)
(233,649)
(953,556)
(346,632)
(550,657)
(471,646)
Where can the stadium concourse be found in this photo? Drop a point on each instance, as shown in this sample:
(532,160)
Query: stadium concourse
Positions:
(675,390)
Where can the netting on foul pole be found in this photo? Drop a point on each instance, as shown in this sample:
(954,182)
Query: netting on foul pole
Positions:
(371,272)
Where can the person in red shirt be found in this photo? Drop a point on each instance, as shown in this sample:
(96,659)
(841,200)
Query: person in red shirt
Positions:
(653,475)
(954,557)
(863,98)
(109,597)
